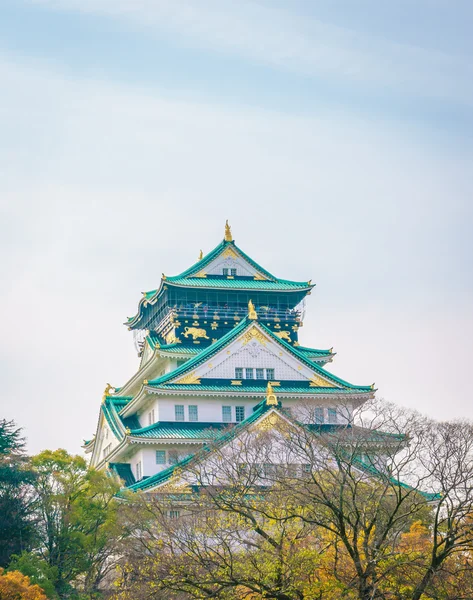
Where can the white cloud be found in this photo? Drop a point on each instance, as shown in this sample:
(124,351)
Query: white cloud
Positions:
(284,39)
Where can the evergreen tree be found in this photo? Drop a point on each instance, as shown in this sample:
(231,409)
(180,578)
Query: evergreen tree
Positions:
(16,505)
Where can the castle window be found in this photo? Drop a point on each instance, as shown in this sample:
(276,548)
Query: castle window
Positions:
(225,271)
(227,414)
(233,272)
(238,373)
(249,374)
(193,414)
(239,413)
(106,450)
(319,415)
(270,374)
(179,412)
(139,471)
(174,514)
(151,417)
(332,415)
(160,457)
(259,373)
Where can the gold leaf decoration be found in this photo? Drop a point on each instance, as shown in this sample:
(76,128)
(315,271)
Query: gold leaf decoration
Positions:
(253,334)
(317,381)
(190,378)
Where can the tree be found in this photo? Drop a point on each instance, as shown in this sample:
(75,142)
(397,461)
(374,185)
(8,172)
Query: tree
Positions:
(78,523)
(16,586)
(347,503)
(16,507)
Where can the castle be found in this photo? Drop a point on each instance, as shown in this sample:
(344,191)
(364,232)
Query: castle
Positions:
(219,350)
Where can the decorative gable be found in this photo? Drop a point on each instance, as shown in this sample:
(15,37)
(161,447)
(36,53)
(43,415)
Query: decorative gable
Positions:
(236,264)
(255,349)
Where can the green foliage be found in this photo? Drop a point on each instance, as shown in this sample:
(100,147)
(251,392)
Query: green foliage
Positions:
(38,570)
(77,520)
(16,508)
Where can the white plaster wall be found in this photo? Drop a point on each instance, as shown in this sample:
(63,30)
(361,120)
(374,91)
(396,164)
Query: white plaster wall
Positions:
(137,457)
(256,357)
(147,456)
(243,268)
(209,411)
(105,438)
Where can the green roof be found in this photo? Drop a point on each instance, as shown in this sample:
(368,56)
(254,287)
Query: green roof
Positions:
(110,408)
(123,470)
(245,323)
(166,474)
(239,283)
(153,340)
(284,388)
(178,430)
(259,410)
(187,279)
(314,351)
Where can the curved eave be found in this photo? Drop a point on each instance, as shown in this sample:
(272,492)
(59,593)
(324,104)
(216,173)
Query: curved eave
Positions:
(89,445)
(178,441)
(243,285)
(236,392)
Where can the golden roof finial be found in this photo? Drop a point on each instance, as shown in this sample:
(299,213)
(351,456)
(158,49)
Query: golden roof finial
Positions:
(201,255)
(271,399)
(252,311)
(106,391)
(228,232)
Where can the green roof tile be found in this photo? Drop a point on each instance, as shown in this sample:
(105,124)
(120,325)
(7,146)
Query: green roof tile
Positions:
(245,323)
(178,430)
(123,470)
(238,283)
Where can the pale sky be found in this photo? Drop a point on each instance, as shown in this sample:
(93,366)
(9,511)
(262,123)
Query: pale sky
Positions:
(336,137)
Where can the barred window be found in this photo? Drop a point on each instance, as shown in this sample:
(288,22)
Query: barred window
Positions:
(259,373)
(139,472)
(238,373)
(151,417)
(249,373)
(106,450)
(179,412)
(193,414)
(332,415)
(319,415)
(270,374)
(227,414)
(174,514)
(233,272)
(160,457)
(239,413)
(225,271)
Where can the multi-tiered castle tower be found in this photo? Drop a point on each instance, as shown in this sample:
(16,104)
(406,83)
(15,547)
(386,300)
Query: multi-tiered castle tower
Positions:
(216,343)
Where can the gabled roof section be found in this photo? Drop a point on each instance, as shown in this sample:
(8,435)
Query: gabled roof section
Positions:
(196,276)
(231,249)
(185,374)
